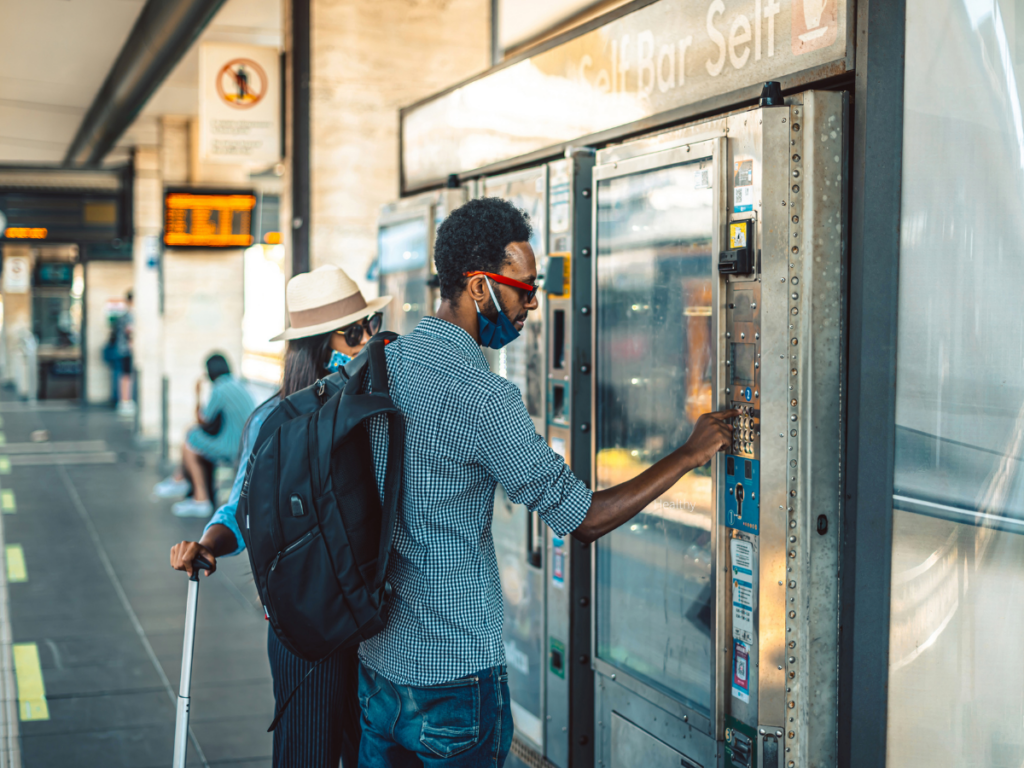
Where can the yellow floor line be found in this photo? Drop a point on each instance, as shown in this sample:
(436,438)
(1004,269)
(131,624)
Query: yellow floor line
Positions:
(31,690)
(5,465)
(16,570)
(7,503)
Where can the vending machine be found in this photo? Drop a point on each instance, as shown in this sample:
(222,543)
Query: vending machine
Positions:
(718,283)
(539,590)
(405,255)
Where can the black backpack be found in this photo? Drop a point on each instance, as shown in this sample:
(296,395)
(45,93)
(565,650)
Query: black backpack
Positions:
(310,512)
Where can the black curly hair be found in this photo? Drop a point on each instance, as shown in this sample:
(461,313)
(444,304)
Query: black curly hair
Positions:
(473,239)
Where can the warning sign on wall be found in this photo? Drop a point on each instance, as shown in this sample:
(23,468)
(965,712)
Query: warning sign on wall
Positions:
(239,105)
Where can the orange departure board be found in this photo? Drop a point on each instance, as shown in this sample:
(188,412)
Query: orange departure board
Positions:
(201,219)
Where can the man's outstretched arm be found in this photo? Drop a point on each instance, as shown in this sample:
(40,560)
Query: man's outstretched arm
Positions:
(612,507)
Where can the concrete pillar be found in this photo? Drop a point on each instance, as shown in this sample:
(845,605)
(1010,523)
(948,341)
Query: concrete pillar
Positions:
(147,333)
(368,60)
(17,313)
(202,289)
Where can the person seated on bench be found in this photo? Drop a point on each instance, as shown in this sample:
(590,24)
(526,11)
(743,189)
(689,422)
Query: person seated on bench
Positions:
(215,439)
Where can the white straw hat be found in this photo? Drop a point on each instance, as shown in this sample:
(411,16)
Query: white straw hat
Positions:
(323,300)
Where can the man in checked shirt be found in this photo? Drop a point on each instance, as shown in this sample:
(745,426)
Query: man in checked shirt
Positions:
(433,686)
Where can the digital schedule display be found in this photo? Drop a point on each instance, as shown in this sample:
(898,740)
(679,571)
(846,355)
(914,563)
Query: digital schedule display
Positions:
(204,219)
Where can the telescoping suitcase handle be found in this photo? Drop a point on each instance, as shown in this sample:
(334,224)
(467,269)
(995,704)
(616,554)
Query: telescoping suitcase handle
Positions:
(185,687)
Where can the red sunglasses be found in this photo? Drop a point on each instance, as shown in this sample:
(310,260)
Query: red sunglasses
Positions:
(530,291)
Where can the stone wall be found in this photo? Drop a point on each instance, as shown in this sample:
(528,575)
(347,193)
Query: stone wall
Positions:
(368,60)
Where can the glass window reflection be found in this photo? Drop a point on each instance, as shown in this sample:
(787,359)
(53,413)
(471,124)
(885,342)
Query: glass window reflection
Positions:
(654,278)
(956,674)
(404,273)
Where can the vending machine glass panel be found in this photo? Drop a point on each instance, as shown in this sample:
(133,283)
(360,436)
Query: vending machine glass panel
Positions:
(654,378)
(403,247)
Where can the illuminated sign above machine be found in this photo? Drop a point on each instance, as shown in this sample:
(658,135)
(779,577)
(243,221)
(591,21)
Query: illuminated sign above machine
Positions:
(624,72)
(203,219)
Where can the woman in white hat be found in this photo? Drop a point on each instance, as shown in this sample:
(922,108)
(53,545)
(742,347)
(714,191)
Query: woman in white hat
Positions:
(329,322)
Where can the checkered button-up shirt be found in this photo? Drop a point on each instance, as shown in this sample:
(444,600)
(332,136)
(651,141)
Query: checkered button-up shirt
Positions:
(467,429)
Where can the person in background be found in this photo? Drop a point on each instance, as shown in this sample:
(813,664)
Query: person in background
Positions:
(123,350)
(330,324)
(215,439)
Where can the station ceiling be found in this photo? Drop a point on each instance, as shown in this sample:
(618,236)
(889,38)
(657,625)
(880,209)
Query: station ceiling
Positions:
(53,67)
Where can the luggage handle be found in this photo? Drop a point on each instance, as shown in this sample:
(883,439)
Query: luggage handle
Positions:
(185,686)
(198,564)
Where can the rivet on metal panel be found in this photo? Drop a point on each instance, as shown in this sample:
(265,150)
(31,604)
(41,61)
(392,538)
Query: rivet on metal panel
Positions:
(792,523)
(783,119)
(794,310)
(584,369)
(792,493)
(796,296)
(753,305)
(585,251)
(792,463)
(796,187)
(795,234)
(792,539)
(783,203)
(586,193)
(686,718)
(613,675)
(792,614)
(796,174)
(796,219)
(727,390)
(792,585)
(761,731)
(794,341)
(796,158)
(793,401)
(780,666)
(795,280)
(792,554)
(791,734)
(795,249)
(584,427)
(757,336)
(779,734)
(792,433)
(796,126)
(584,310)
(792,660)
(782,279)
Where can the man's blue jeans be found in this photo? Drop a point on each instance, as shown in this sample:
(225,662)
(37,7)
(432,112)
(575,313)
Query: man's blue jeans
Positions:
(466,722)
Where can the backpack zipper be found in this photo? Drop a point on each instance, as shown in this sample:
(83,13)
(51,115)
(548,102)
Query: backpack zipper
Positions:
(294,545)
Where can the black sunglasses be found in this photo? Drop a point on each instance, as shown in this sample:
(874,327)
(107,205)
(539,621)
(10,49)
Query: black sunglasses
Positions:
(354,333)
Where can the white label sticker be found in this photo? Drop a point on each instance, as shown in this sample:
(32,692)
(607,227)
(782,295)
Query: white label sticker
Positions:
(742,552)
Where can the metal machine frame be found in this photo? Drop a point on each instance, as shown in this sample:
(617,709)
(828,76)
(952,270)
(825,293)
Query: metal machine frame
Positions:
(799,159)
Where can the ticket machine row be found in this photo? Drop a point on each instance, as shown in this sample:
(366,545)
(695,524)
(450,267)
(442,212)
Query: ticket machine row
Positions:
(691,270)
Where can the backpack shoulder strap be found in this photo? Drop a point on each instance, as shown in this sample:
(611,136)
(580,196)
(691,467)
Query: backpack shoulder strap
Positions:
(378,364)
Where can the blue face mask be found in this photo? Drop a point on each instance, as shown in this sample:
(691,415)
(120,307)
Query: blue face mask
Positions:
(495,334)
(337,361)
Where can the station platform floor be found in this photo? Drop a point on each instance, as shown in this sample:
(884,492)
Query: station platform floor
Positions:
(89,603)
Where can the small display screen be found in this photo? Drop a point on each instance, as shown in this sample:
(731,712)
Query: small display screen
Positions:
(743,358)
(194,219)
